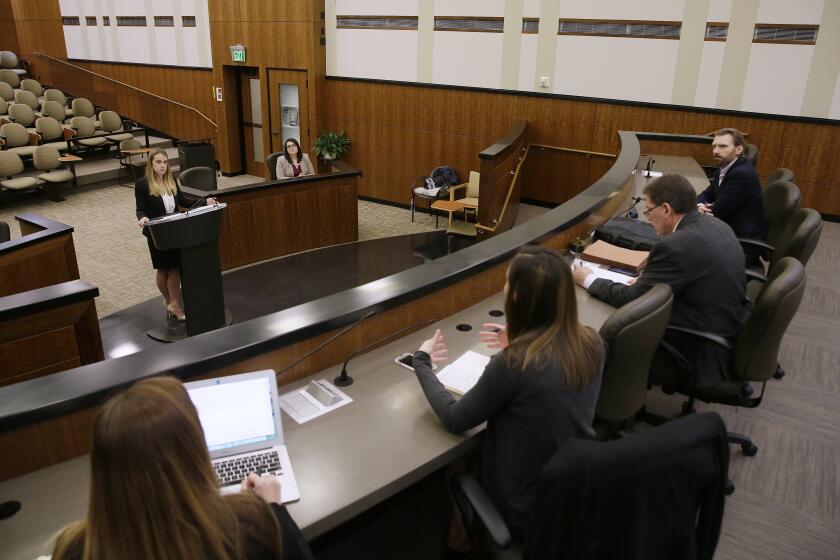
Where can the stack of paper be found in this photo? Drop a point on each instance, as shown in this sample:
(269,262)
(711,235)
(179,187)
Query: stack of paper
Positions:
(603,252)
(600,271)
(461,375)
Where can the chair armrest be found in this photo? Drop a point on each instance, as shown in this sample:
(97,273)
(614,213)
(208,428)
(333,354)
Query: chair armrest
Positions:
(34,138)
(454,188)
(719,340)
(753,275)
(68,133)
(745,242)
(471,497)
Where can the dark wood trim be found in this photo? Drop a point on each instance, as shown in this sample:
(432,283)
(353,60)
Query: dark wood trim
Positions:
(602,100)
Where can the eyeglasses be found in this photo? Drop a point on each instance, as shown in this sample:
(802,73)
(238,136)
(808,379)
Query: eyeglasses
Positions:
(647,212)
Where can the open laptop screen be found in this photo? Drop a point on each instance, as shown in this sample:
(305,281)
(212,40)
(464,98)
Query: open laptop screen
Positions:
(235,413)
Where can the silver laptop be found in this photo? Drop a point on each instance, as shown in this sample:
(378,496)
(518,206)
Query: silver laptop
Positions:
(243,428)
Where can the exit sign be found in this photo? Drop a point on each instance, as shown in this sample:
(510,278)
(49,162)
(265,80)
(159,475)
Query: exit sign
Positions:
(238,53)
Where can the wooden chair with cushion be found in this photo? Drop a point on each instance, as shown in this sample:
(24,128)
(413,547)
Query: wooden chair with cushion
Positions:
(11,165)
(46,159)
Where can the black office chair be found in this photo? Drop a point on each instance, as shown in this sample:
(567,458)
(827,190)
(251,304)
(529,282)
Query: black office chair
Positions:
(781,200)
(780,174)
(754,353)
(5,234)
(632,335)
(751,153)
(271,162)
(202,178)
(656,495)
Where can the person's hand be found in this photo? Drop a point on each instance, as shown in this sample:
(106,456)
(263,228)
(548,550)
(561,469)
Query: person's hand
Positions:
(143,221)
(211,201)
(435,347)
(266,487)
(494,335)
(704,208)
(581,273)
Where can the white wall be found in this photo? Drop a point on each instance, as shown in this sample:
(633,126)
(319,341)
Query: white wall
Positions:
(175,46)
(375,7)
(708,79)
(474,8)
(627,69)
(650,10)
(791,11)
(467,59)
(377,54)
(776,78)
(528,62)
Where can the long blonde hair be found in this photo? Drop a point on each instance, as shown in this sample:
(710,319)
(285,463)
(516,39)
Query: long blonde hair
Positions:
(542,319)
(153,493)
(157,187)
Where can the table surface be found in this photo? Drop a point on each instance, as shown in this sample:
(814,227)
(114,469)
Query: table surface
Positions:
(345,462)
(137,151)
(684,165)
(448,205)
(69,157)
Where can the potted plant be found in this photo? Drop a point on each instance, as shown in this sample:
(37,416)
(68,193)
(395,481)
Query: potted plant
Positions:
(332,145)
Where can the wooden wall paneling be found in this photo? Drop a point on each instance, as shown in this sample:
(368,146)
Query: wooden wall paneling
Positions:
(702,153)
(37,10)
(412,108)
(8,28)
(554,176)
(767,134)
(38,266)
(811,151)
(350,101)
(365,153)
(557,122)
(277,44)
(224,10)
(609,119)
(819,196)
(25,358)
(406,154)
(469,113)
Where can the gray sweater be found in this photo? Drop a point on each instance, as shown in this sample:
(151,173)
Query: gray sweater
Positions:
(528,413)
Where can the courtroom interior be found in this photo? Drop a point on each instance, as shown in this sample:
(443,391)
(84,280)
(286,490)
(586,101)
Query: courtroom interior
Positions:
(334,197)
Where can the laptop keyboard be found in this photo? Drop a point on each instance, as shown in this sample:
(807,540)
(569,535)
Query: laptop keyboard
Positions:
(233,471)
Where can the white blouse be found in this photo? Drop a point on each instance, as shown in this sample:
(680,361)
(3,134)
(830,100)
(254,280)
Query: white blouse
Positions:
(169,203)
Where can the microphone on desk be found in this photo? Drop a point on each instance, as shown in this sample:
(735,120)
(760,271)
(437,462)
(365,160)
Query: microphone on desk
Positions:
(199,201)
(649,166)
(631,210)
(344,380)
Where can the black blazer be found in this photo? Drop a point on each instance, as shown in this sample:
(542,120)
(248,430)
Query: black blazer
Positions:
(149,206)
(703,263)
(739,201)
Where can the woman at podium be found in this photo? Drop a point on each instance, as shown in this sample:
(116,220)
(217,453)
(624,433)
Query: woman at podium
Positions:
(157,194)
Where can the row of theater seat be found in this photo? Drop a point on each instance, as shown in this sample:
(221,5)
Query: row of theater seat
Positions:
(9,61)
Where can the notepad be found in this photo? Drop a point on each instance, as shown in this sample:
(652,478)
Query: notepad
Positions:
(601,272)
(603,252)
(461,375)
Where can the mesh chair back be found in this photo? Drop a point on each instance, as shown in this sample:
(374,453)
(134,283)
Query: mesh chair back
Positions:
(53,109)
(781,174)
(83,108)
(28,84)
(632,334)
(7,93)
(8,59)
(22,113)
(110,121)
(10,77)
(15,135)
(83,125)
(751,153)
(45,158)
(27,98)
(49,129)
(781,199)
(5,234)
(203,178)
(271,162)
(55,95)
(800,236)
(755,354)
(10,164)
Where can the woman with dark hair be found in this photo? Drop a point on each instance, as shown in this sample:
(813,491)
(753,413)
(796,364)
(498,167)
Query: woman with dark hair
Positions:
(294,162)
(153,492)
(157,194)
(539,391)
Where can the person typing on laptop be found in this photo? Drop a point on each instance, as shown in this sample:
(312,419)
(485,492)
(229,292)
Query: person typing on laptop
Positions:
(153,492)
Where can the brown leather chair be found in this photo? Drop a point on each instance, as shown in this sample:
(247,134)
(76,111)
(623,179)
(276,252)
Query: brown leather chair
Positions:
(755,350)
(632,335)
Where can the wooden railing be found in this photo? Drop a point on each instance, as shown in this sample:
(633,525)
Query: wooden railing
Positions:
(152,110)
(499,188)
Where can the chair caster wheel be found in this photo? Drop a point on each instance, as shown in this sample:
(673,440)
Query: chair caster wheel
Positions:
(749,449)
(729,488)
(780,373)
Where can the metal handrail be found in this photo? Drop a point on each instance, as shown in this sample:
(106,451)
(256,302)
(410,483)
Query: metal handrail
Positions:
(98,75)
(571,150)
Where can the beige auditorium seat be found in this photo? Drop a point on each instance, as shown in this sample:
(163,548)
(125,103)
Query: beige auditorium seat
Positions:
(84,108)
(10,78)
(58,96)
(85,132)
(55,110)
(11,165)
(9,61)
(113,124)
(17,140)
(23,115)
(27,98)
(51,133)
(7,92)
(46,159)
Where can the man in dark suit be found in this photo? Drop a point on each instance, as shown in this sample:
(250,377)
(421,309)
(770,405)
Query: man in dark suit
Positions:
(734,195)
(702,261)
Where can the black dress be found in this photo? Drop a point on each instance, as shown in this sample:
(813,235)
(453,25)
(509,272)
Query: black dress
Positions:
(149,206)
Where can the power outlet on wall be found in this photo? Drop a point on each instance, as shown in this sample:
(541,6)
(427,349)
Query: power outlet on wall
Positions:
(545,81)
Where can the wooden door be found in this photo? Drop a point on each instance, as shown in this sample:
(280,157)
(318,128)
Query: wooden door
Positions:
(288,104)
(250,103)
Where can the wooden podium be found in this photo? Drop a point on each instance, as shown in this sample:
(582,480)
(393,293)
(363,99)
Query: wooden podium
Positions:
(195,234)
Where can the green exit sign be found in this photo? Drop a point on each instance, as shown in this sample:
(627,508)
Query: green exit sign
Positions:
(238,53)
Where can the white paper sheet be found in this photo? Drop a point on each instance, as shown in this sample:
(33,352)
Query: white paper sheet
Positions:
(461,375)
(601,271)
(303,407)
